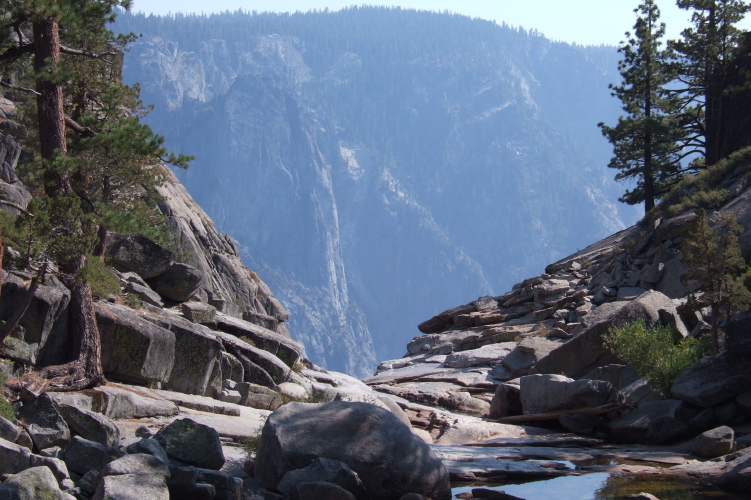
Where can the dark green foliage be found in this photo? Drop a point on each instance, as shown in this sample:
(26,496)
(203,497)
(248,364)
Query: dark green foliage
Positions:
(110,161)
(101,278)
(706,52)
(647,140)
(706,189)
(653,353)
(6,409)
(716,267)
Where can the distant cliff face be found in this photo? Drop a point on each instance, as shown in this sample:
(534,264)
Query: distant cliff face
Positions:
(377,166)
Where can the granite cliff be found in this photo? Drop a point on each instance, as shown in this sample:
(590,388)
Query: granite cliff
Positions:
(372,172)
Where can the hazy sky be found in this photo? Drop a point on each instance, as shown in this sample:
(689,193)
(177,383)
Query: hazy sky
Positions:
(580,21)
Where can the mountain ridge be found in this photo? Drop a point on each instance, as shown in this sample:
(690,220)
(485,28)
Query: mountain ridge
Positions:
(393,185)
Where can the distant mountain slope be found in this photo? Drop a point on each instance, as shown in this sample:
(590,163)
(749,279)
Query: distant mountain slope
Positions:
(378,165)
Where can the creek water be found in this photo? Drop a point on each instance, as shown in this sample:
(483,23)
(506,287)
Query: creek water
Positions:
(604,486)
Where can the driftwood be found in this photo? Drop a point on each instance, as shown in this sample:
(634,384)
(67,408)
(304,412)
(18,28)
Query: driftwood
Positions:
(596,410)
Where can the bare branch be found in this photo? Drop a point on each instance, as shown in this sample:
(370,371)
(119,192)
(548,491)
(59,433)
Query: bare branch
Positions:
(16,87)
(86,53)
(17,207)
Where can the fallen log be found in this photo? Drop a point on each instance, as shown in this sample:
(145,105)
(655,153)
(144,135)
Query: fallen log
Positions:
(595,410)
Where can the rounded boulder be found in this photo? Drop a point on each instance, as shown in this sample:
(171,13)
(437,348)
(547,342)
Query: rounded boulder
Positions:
(389,459)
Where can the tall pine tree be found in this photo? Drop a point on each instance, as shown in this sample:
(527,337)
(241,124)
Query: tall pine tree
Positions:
(647,140)
(706,51)
(95,163)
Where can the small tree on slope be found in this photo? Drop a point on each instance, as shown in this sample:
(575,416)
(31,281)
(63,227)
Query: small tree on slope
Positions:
(715,267)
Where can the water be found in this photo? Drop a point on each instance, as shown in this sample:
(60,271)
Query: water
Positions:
(603,486)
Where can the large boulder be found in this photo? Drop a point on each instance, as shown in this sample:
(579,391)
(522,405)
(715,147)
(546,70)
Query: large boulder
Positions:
(137,253)
(192,443)
(83,455)
(90,425)
(198,353)
(738,334)
(712,380)
(133,477)
(13,458)
(548,393)
(36,483)
(654,422)
(506,400)
(134,349)
(274,343)
(330,471)
(389,459)
(41,334)
(179,282)
(587,352)
(715,442)
(44,423)
(526,355)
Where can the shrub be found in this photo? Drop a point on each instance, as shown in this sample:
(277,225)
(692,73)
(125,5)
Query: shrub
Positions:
(653,353)
(250,445)
(102,278)
(6,409)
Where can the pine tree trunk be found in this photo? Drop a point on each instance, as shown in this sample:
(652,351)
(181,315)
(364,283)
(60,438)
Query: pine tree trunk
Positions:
(50,112)
(87,347)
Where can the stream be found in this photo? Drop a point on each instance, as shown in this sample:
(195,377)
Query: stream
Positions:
(603,486)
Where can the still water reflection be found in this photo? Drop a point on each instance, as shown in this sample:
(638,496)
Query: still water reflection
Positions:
(602,486)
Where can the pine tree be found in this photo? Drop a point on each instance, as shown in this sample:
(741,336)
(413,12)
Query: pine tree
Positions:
(646,141)
(706,51)
(96,162)
(715,267)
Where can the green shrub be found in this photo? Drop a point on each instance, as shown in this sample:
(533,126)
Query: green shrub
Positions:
(653,353)
(101,278)
(6,409)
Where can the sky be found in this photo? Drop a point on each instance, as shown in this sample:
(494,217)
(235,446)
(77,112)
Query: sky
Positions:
(586,22)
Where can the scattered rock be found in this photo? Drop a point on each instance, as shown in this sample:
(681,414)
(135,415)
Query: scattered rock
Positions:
(13,458)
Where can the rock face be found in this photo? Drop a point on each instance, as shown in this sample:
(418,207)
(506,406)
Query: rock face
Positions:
(226,283)
(389,460)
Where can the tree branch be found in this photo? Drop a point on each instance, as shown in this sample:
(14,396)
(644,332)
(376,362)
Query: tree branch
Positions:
(17,51)
(16,87)
(86,53)
(77,127)
(17,207)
